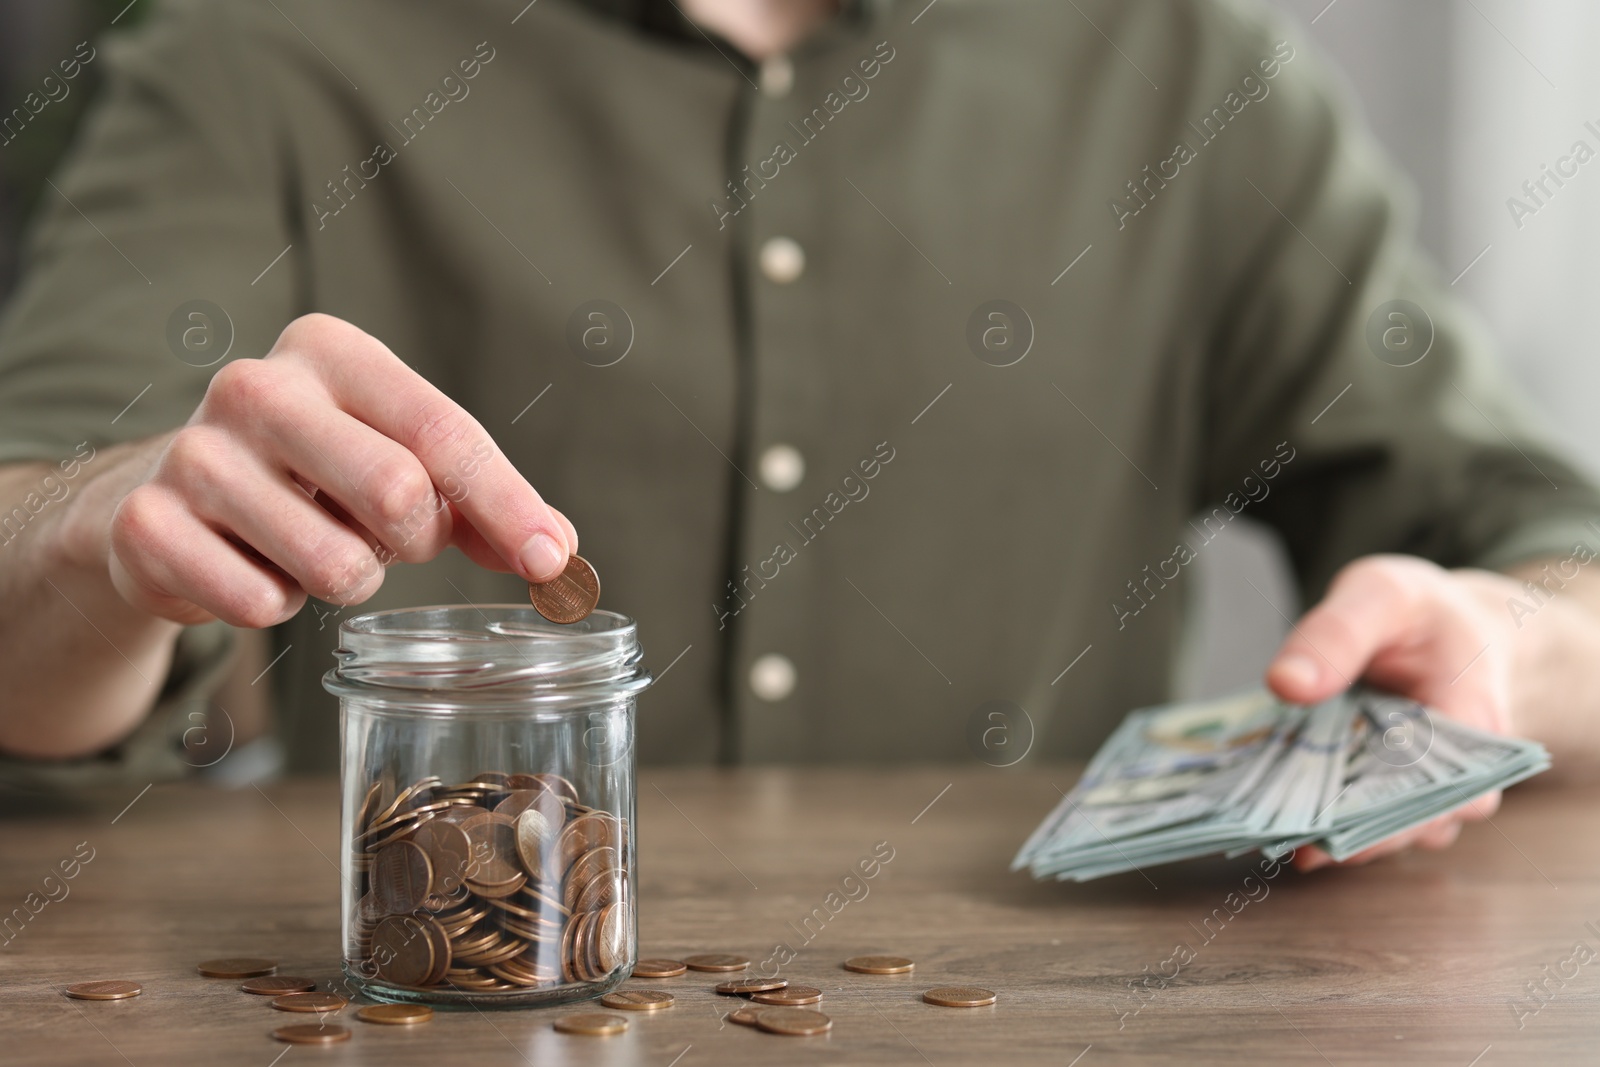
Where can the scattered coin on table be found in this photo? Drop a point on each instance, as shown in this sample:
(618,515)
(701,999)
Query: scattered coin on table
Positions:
(237,967)
(716,961)
(312,1034)
(659,968)
(591,1024)
(317,1002)
(638,1000)
(797,1022)
(792,996)
(278,985)
(104,990)
(879,964)
(570,596)
(395,1014)
(963,996)
(744,987)
(745,1016)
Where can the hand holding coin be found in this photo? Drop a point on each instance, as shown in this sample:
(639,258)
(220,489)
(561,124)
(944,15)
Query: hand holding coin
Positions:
(571,595)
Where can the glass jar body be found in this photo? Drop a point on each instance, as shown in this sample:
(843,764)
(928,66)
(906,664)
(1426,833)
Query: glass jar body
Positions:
(487,809)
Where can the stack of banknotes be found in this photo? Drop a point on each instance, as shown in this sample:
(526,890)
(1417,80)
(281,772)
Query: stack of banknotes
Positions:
(1251,772)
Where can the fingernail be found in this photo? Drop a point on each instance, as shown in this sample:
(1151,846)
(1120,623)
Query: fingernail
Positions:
(1297,670)
(541,558)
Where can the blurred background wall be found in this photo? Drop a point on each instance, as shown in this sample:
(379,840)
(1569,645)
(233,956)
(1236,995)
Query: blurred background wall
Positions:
(1471,97)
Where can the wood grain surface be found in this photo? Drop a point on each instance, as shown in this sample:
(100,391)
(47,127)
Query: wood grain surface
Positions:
(1422,960)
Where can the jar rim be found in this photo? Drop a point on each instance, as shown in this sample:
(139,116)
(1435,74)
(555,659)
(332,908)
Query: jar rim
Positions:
(487,654)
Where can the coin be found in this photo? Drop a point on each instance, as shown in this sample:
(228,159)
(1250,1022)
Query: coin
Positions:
(960,996)
(520,800)
(584,834)
(715,961)
(744,987)
(638,1000)
(312,1034)
(593,1023)
(106,990)
(237,967)
(534,837)
(795,1021)
(494,849)
(369,805)
(602,862)
(402,950)
(604,888)
(745,1016)
(879,964)
(277,986)
(558,785)
(401,877)
(449,852)
(610,937)
(659,968)
(570,596)
(395,1014)
(790,996)
(317,1002)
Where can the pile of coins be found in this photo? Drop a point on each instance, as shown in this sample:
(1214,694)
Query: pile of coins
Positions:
(505,882)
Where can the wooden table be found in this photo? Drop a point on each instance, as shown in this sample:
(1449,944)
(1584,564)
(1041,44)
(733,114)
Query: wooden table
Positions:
(1413,961)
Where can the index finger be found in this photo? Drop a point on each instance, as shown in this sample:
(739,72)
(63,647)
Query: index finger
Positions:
(377,387)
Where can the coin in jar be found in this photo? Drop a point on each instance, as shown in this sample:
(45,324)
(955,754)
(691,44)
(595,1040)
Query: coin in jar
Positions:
(790,996)
(401,877)
(403,950)
(278,985)
(659,968)
(638,1000)
(744,987)
(312,1034)
(570,596)
(113,989)
(449,853)
(237,967)
(591,1023)
(879,964)
(494,849)
(716,961)
(798,1022)
(395,1014)
(965,996)
(317,1002)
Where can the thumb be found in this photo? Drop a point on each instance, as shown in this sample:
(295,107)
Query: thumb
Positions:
(1372,604)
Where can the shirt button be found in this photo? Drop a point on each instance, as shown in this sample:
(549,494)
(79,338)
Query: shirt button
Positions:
(772,677)
(782,260)
(777,77)
(782,467)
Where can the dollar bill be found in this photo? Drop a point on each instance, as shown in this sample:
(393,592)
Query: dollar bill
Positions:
(1250,772)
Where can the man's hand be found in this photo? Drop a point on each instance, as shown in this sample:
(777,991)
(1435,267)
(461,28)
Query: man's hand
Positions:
(306,473)
(1443,638)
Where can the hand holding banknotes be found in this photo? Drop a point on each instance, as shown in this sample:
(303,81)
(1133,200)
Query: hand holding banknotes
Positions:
(1389,723)
(1412,628)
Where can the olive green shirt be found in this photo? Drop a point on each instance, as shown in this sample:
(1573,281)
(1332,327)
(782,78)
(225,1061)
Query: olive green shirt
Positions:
(1040,295)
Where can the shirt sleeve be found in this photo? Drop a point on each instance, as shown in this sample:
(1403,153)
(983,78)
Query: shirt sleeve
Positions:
(170,197)
(1335,344)
(144,266)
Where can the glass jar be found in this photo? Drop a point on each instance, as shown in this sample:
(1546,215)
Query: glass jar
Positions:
(488,804)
